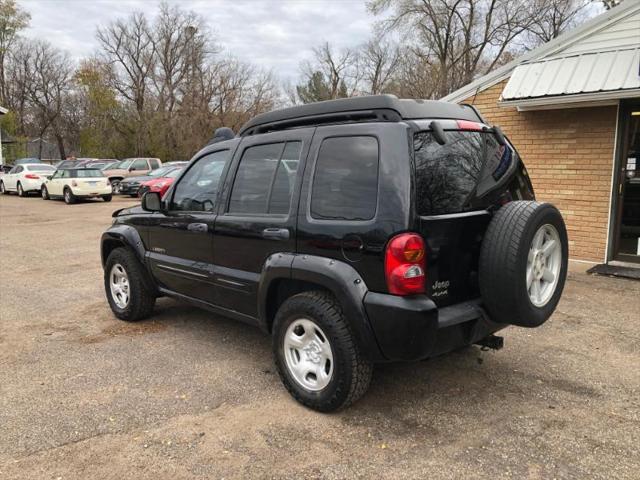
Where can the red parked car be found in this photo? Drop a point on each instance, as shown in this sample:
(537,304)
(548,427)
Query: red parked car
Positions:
(159,184)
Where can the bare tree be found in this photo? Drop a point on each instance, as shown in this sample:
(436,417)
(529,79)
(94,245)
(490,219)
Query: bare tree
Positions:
(329,75)
(12,20)
(553,18)
(379,62)
(50,72)
(459,38)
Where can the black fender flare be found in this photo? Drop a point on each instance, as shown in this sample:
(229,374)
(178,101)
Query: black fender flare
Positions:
(338,277)
(125,235)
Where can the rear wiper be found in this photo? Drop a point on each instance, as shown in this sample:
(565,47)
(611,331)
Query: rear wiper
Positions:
(438,132)
(497,131)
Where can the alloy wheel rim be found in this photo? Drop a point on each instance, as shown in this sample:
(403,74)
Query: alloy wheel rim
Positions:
(44,193)
(67,197)
(543,265)
(308,355)
(20,191)
(119,285)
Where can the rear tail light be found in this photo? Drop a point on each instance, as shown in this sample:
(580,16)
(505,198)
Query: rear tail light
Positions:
(404,264)
(74,183)
(32,176)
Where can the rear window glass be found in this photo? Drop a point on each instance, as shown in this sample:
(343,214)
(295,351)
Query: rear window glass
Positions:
(40,168)
(93,172)
(450,177)
(345,184)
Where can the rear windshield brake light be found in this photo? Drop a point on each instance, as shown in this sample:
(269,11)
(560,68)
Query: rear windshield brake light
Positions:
(467,125)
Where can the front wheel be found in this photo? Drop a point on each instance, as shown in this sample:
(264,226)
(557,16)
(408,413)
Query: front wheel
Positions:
(315,354)
(21,192)
(106,198)
(45,193)
(2,189)
(129,296)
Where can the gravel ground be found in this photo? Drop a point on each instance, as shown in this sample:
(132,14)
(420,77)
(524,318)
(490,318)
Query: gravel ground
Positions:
(190,395)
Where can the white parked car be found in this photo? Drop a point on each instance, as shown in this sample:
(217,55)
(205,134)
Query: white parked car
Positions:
(25,178)
(73,183)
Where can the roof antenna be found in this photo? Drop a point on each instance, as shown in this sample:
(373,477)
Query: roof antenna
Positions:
(221,134)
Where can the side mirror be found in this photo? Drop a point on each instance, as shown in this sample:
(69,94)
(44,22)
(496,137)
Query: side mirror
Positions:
(151,202)
(49,177)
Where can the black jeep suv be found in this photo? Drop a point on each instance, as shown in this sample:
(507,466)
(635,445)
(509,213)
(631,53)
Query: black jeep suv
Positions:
(354,231)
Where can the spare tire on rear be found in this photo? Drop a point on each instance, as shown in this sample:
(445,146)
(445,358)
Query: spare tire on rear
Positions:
(523,263)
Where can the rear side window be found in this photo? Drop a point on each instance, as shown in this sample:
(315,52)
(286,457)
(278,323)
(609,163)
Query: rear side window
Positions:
(265,179)
(154,163)
(345,183)
(450,177)
(88,173)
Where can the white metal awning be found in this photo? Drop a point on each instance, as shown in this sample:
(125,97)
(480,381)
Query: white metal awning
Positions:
(577,78)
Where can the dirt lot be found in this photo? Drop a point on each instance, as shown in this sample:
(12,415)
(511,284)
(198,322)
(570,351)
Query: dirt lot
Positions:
(190,395)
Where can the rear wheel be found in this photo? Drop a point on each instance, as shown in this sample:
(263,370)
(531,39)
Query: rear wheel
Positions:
(69,197)
(21,192)
(523,263)
(315,354)
(107,198)
(2,189)
(129,296)
(45,193)
(115,184)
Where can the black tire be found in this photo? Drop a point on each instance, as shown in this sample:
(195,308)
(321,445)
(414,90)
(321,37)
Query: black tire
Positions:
(351,371)
(503,263)
(141,297)
(21,192)
(3,190)
(45,193)
(107,198)
(69,197)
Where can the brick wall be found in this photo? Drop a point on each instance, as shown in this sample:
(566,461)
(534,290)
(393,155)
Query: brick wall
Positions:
(569,155)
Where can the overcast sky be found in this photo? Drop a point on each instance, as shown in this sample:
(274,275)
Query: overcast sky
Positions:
(273,34)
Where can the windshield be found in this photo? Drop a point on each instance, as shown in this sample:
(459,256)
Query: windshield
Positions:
(174,173)
(40,168)
(111,165)
(125,163)
(160,172)
(450,176)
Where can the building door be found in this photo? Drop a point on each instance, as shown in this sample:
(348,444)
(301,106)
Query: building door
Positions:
(627,225)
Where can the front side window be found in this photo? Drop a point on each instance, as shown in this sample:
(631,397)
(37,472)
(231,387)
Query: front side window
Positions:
(450,177)
(140,164)
(265,177)
(197,190)
(345,183)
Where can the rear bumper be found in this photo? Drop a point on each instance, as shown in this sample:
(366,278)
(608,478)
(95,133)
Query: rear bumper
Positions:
(414,328)
(96,191)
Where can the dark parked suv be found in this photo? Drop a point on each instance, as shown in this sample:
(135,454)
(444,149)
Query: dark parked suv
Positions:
(355,232)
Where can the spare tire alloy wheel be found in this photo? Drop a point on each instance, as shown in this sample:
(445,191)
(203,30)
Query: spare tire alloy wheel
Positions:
(308,355)
(119,286)
(523,263)
(543,265)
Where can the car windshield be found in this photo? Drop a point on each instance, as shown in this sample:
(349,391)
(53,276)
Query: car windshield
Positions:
(174,173)
(124,164)
(111,165)
(40,168)
(87,173)
(160,172)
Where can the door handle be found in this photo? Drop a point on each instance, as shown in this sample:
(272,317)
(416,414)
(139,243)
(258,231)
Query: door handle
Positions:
(198,227)
(276,233)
